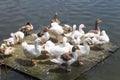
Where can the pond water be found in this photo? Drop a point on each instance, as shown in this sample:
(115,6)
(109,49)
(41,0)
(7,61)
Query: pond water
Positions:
(15,13)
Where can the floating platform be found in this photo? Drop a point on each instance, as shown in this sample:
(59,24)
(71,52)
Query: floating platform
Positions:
(46,70)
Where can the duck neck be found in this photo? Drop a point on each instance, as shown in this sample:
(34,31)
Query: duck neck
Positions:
(46,34)
(81,30)
(96,26)
(36,45)
(74,28)
(86,45)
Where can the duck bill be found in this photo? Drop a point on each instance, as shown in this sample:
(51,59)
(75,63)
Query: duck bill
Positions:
(78,48)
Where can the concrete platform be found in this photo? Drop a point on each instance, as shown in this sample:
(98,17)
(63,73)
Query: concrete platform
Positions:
(47,70)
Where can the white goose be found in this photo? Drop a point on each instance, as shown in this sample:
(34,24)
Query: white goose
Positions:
(32,51)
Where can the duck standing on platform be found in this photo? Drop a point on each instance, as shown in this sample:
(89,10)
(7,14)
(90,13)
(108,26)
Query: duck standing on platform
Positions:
(32,51)
(84,50)
(66,59)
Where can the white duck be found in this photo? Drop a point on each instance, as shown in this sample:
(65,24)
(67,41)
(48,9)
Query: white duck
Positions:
(67,28)
(9,50)
(58,50)
(60,60)
(49,43)
(45,37)
(6,51)
(32,51)
(84,49)
(46,34)
(3,47)
(19,36)
(56,29)
(76,33)
(71,33)
(79,33)
(75,40)
(10,41)
(102,39)
(37,35)
(66,58)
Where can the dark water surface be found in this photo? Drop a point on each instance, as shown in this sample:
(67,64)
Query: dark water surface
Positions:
(15,13)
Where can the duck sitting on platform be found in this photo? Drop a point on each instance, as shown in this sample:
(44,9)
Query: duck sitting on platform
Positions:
(79,33)
(96,31)
(18,36)
(45,37)
(67,28)
(76,33)
(32,51)
(75,40)
(27,28)
(6,51)
(3,47)
(56,30)
(57,50)
(72,32)
(10,41)
(100,40)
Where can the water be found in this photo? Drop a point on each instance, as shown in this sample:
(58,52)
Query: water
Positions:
(15,13)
